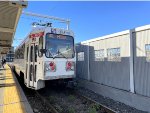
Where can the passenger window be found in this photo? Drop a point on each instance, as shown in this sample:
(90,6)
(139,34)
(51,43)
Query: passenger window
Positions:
(40,46)
(27,53)
(31,53)
(31,72)
(35,50)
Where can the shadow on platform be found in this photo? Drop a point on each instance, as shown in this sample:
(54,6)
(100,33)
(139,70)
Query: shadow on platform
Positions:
(2,69)
(7,85)
(5,78)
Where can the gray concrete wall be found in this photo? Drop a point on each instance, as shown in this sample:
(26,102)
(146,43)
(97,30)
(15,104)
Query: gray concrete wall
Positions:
(114,74)
(82,66)
(142,76)
(141,66)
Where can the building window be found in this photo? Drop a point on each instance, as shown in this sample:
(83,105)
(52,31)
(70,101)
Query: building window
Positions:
(99,55)
(147,51)
(81,56)
(113,54)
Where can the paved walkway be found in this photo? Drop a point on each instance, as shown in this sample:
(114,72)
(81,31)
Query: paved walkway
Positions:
(12,98)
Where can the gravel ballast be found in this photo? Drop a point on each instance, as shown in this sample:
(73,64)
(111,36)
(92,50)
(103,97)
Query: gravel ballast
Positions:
(117,106)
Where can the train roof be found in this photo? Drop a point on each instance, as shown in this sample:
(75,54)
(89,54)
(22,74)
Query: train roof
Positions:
(43,29)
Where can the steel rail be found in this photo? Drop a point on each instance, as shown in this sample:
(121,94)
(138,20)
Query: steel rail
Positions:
(52,109)
(103,107)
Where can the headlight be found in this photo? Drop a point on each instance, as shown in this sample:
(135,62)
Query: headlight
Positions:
(69,66)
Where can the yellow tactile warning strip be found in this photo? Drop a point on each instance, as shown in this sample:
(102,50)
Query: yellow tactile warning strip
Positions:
(12,99)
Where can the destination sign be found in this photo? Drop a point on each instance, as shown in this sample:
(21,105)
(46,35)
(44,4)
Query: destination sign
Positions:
(61,31)
(57,36)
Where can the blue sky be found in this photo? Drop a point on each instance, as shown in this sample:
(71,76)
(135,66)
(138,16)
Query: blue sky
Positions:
(88,19)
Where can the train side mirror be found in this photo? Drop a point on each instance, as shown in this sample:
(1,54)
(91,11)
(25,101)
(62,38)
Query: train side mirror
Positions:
(43,50)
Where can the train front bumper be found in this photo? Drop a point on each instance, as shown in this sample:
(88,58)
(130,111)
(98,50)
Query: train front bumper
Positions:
(59,77)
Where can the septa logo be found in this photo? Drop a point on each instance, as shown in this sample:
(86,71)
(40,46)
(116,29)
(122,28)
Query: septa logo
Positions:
(36,35)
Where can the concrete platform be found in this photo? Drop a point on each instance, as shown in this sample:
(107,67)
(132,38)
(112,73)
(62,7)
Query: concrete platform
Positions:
(12,97)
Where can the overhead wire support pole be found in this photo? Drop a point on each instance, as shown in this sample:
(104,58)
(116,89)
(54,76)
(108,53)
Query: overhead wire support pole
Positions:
(48,17)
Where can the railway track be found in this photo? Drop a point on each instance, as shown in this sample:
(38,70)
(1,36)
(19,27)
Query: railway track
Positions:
(100,108)
(52,108)
(36,96)
(103,108)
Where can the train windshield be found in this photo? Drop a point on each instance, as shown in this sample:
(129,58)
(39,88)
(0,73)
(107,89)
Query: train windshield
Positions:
(59,46)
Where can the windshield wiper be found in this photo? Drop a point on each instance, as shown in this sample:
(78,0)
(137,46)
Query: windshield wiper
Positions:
(59,53)
(50,54)
(63,55)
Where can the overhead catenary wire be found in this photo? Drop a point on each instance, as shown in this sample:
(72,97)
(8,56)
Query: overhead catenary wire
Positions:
(18,39)
(31,20)
(46,16)
(66,21)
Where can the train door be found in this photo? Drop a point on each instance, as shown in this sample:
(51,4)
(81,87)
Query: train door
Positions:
(31,64)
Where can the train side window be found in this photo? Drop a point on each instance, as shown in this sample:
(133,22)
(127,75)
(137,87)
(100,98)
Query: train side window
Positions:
(15,54)
(31,53)
(40,46)
(35,53)
(23,50)
(31,72)
(35,72)
(18,54)
(26,70)
(27,53)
